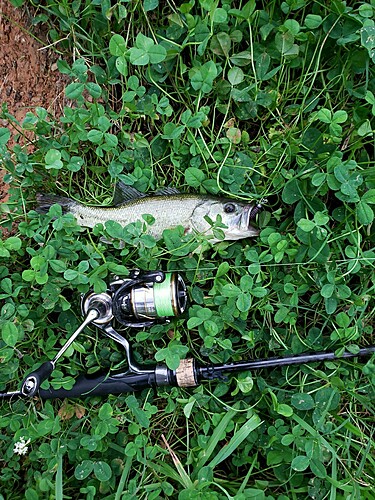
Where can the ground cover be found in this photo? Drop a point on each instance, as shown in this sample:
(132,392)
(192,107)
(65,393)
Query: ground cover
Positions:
(250,100)
(27,67)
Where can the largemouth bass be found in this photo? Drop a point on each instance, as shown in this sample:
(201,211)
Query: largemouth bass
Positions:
(168,207)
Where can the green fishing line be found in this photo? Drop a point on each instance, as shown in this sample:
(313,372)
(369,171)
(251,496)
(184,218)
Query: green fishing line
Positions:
(164,297)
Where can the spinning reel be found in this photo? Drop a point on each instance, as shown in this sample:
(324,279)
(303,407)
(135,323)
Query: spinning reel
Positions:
(140,301)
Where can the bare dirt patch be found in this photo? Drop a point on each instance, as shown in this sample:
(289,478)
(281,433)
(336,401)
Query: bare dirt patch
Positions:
(28,76)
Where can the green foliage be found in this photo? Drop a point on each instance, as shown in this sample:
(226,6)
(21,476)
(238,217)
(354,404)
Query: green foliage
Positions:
(250,100)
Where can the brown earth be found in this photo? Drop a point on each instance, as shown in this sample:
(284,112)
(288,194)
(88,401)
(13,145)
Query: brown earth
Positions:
(28,75)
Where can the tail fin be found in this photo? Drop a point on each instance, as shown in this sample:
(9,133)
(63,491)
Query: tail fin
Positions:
(45,201)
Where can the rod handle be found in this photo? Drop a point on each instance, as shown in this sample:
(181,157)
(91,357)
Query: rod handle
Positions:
(102,385)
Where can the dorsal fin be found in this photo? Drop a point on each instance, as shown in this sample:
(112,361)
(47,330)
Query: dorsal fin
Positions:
(125,193)
(167,191)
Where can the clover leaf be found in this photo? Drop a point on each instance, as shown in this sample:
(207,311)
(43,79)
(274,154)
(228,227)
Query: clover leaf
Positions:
(146,51)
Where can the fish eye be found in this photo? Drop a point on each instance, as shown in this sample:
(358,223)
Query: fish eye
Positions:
(229,208)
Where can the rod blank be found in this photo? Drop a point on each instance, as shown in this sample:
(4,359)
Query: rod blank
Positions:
(209,371)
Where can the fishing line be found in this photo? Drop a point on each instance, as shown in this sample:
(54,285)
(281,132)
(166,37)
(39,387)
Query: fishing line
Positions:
(280,264)
(162,297)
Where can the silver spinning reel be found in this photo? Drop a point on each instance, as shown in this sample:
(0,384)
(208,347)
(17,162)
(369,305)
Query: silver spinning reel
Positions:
(139,301)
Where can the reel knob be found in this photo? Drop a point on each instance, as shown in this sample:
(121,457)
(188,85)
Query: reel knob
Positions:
(101,302)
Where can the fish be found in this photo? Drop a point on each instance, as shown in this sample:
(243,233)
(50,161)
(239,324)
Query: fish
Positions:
(169,208)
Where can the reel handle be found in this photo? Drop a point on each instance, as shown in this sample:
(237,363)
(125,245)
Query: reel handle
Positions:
(31,384)
(35,379)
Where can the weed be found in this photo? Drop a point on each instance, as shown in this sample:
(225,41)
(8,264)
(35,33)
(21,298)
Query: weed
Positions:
(254,100)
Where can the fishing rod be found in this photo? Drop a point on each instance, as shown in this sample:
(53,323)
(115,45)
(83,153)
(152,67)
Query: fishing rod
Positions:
(140,301)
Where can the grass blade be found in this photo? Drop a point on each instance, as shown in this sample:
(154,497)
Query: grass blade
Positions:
(59,479)
(123,478)
(187,482)
(236,440)
(215,438)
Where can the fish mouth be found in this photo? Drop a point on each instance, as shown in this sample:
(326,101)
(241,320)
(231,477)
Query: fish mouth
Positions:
(250,216)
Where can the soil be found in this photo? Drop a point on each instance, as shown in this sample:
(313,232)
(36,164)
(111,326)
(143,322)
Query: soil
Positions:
(28,72)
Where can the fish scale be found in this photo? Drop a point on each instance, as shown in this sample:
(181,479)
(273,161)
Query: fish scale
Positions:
(168,212)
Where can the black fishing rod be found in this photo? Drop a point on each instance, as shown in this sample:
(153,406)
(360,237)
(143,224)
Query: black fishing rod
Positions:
(138,302)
